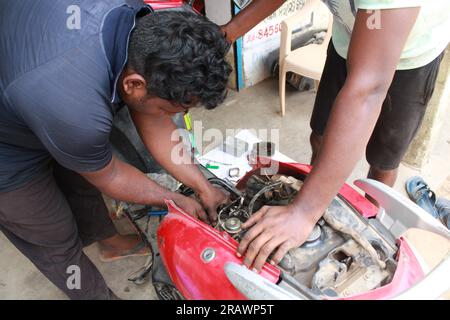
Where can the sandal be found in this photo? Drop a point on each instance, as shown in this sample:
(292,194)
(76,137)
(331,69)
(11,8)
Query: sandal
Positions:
(443,209)
(419,192)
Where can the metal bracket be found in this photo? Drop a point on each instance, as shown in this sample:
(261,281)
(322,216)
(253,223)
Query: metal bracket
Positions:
(398,213)
(254,286)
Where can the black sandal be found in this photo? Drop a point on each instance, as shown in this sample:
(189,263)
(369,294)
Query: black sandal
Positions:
(419,192)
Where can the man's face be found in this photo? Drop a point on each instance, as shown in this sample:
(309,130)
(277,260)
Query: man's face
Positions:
(149,104)
(133,91)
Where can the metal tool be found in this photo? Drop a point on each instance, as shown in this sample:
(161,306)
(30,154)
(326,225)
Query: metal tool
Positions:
(234,172)
(157,212)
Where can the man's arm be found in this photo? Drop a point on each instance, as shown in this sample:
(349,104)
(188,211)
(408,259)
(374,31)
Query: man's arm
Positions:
(124,182)
(156,132)
(249,17)
(372,60)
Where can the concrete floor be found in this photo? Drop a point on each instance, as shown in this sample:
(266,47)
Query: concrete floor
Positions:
(19,278)
(253,108)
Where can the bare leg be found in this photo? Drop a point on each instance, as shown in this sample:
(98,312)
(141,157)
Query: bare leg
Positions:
(316,141)
(388,177)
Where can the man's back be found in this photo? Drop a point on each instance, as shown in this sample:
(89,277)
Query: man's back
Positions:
(55,87)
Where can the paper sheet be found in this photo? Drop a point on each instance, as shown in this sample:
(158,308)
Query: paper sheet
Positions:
(225,161)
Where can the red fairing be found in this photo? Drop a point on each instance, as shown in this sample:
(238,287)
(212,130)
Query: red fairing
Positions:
(182,239)
(161,4)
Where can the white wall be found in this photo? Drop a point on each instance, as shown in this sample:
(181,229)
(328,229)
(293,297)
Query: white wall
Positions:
(261,44)
(218,11)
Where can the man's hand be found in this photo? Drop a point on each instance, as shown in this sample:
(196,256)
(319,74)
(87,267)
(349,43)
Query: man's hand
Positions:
(211,199)
(273,228)
(224,29)
(249,17)
(191,207)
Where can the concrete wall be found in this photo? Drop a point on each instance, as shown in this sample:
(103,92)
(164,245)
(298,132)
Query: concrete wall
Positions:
(218,11)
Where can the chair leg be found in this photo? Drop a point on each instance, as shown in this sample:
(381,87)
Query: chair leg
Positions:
(282,90)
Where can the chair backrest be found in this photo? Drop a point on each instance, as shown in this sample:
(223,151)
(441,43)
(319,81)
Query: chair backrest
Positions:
(288,24)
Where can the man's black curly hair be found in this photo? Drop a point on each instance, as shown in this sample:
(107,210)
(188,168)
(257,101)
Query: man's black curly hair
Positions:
(181,55)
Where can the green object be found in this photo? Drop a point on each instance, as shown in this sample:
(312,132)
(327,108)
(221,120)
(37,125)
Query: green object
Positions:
(188,124)
(208,166)
(187,121)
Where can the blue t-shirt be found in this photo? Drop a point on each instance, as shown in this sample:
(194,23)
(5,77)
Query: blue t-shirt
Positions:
(60,61)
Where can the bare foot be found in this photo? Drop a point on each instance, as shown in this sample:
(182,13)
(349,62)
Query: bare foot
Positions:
(122,246)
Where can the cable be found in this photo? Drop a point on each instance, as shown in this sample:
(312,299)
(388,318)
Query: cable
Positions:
(259,193)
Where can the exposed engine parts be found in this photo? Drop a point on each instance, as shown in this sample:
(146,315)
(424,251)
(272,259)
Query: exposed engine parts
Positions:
(344,255)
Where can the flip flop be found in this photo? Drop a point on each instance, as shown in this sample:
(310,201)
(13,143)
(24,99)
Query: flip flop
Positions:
(133,252)
(443,209)
(419,192)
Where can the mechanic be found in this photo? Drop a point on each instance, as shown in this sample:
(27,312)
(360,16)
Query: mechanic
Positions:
(373,94)
(62,81)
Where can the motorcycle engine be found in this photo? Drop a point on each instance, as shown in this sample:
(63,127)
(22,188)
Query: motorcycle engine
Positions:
(344,255)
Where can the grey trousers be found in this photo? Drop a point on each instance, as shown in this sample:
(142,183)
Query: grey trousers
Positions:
(49,220)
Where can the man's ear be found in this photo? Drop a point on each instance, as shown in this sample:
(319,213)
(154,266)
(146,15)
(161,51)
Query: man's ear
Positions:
(134,83)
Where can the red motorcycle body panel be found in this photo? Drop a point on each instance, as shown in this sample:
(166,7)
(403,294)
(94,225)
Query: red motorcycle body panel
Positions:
(183,239)
(161,4)
(197,6)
